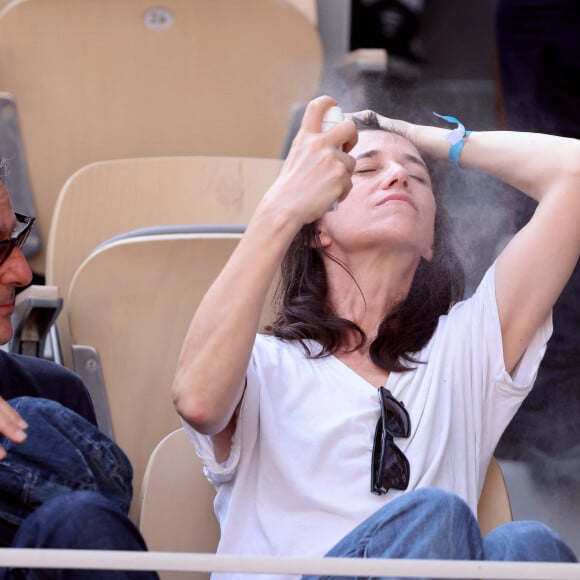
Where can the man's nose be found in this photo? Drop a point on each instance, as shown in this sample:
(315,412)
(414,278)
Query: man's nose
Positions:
(16,270)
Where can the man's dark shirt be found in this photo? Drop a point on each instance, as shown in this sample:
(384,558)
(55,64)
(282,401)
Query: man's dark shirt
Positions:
(33,377)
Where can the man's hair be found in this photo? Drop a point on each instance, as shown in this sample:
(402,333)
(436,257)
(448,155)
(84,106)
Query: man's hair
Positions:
(305,313)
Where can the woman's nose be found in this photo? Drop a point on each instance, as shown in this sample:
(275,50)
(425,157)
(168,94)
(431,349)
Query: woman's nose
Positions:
(396,175)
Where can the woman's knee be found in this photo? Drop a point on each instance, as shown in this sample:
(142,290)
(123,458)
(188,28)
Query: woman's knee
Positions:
(424,523)
(530,541)
(443,507)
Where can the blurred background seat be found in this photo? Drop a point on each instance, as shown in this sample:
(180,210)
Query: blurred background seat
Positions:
(103,79)
(107,198)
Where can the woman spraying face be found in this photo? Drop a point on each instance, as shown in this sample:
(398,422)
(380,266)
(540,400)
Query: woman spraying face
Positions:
(306,458)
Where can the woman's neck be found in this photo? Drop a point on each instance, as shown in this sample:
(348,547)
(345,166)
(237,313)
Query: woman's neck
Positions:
(379,284)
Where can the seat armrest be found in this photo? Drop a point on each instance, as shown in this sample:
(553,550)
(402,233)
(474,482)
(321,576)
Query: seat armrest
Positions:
(36,310)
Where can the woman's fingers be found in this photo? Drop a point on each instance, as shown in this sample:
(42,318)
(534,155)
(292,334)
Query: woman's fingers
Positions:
(12,425)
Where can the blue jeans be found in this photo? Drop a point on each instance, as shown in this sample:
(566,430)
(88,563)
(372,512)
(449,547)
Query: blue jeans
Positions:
(431,523)
(62,452)
(66,486)
(78,520)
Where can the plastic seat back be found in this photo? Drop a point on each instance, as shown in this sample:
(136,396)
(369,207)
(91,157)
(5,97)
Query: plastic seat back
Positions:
(132,302)
(105,199)
(110,79)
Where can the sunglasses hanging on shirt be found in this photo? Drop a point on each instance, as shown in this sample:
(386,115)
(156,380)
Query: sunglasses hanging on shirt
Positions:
(390,468)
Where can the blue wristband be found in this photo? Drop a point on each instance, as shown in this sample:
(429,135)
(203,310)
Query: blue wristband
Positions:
(456,138)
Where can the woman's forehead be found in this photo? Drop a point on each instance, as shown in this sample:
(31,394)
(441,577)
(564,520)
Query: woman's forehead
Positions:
(382,141)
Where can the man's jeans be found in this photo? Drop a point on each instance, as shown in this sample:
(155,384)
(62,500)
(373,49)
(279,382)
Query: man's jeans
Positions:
(67,486)
(78,520)
(431,523)
(63,452)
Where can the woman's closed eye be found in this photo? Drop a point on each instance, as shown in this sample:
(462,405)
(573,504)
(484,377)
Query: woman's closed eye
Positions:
(420,178)
(364,170)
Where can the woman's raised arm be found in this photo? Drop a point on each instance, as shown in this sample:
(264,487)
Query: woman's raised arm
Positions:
(534,267)
(212,366)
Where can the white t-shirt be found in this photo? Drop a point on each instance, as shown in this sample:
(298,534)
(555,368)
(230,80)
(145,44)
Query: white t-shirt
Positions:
(298,476)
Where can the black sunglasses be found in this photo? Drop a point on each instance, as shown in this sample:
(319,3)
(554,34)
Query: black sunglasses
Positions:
(390,468)
(18,238)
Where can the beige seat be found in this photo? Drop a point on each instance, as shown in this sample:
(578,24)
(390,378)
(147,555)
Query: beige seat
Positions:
(177,501)
(131,301)
(105,79)
(107,198)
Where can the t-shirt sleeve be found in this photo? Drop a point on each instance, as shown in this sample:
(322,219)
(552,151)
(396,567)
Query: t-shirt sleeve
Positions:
(486,317)
(245,434)
(474,328)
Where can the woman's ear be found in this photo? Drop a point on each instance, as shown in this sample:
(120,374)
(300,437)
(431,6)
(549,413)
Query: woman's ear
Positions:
(323,237)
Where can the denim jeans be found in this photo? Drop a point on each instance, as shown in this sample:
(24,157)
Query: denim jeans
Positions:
(67,486)
(431,523)
(78,520)
(62,452)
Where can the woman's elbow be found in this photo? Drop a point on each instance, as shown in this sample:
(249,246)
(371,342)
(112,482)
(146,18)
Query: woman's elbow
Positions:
(198,411)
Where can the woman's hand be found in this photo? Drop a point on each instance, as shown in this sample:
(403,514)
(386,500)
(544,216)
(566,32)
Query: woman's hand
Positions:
(12,425)
(398,126)
(318,169)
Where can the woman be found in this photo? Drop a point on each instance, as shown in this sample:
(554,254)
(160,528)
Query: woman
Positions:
(304,454)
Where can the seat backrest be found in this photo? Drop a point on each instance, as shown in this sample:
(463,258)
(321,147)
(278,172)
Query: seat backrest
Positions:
(133,300)
(104,79)
(494,508)
(177,501)
(107,198)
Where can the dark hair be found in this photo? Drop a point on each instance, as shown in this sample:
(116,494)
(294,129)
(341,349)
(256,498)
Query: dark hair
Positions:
(305,313)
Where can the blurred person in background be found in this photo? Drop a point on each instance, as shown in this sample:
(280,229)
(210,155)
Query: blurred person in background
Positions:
(538,57)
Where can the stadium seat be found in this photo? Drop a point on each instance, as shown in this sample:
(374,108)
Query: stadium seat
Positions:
(107,198)
(129,306)
(103,79)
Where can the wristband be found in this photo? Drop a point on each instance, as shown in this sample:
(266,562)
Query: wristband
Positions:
(456,138)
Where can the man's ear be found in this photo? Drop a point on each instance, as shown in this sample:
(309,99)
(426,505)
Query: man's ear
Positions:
(428,255)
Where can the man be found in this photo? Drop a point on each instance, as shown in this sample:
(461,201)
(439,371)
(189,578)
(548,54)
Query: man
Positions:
(63,483)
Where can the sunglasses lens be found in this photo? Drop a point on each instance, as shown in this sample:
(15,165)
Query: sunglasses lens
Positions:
(390,467)
(23,236)
(5,247)
(395,471)
(398,421)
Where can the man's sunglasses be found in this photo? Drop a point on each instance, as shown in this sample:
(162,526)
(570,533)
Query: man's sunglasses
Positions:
(18,238)
(390,468)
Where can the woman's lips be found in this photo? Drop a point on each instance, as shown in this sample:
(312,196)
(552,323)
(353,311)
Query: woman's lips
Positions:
(397,197)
